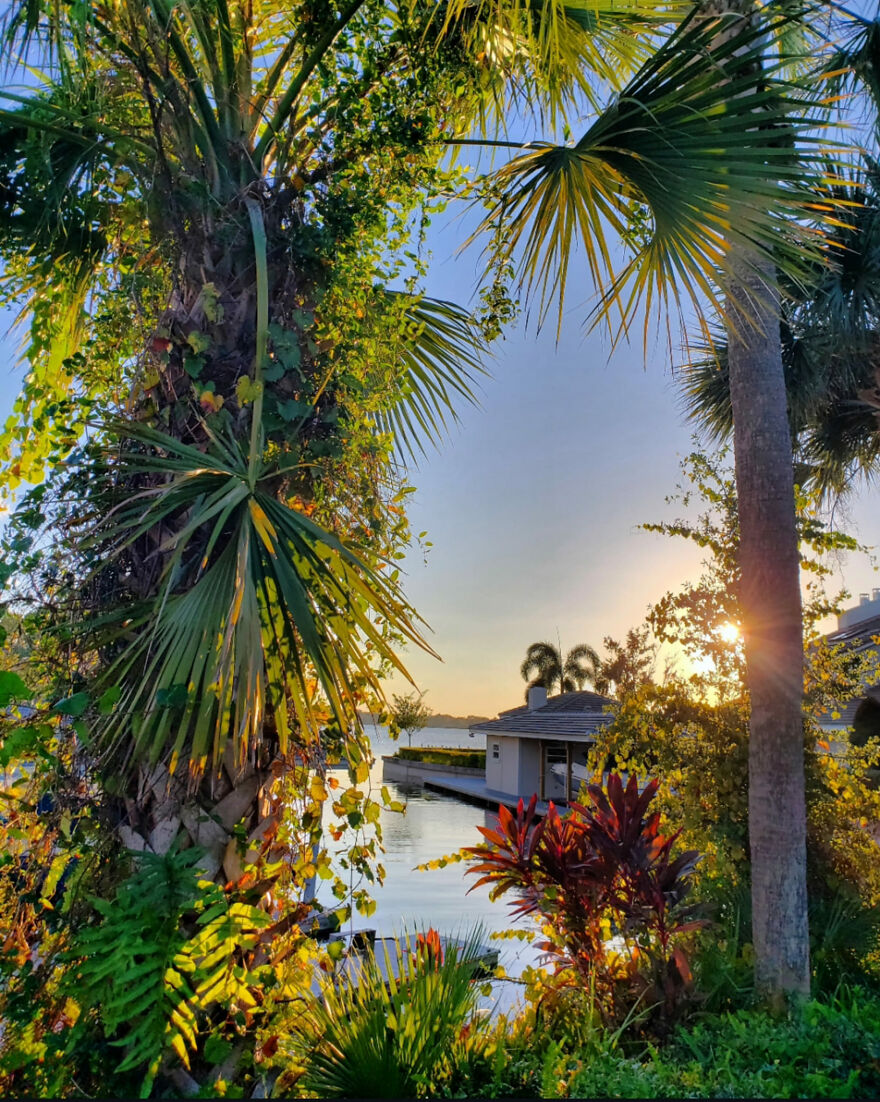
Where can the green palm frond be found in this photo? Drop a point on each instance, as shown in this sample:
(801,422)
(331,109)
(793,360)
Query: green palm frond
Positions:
(830,332)
(440,360)
(565,47)
(677,167)
(256,604)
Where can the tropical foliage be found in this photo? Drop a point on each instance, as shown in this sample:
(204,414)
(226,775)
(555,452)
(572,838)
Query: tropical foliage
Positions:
(692,732)
(393,1026)
(214,214)
(599,871)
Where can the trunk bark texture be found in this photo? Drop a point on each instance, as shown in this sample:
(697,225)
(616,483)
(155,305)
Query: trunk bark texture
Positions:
(162,811)
(772,628)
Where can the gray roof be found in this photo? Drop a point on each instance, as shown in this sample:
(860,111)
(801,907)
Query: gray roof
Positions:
(569,715)
(857,637)
(860,635)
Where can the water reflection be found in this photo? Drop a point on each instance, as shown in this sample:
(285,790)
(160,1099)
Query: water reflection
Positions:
(431,826)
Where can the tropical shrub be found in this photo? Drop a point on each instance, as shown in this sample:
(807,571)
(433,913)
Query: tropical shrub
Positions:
(820,1050)
(390,1026)
(607,893)
(443,755)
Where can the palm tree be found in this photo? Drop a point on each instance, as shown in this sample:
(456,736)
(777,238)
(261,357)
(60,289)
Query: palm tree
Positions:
(579,667)
(548,198)
(199,206)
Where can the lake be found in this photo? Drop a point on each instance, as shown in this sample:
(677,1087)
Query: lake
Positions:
(431,826)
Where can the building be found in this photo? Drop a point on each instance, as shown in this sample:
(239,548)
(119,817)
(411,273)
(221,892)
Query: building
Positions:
(858,628)
(541,747)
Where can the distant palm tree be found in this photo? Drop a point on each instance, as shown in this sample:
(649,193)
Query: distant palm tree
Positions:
(579,667)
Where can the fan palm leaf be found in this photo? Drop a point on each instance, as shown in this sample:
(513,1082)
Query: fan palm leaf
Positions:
(568,49)
(256,605)
(439,362)
(679,156)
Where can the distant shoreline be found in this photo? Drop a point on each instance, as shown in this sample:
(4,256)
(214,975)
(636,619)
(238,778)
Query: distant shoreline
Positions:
(461,723)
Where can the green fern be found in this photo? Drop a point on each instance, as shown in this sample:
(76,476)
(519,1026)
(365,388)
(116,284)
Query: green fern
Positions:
(166,950)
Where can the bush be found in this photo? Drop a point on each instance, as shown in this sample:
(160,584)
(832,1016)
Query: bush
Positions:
(396,1031)
(821,1051)
(607,893)
(444,755)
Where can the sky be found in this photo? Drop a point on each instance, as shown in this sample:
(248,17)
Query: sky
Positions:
(533,504)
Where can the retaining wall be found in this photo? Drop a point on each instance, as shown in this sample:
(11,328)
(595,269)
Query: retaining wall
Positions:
(414,772)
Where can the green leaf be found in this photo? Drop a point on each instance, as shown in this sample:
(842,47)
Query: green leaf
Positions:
(292,410)
(73,705)
(12,688)
(193,365)
(21,744)
(217,1049)
(108,699)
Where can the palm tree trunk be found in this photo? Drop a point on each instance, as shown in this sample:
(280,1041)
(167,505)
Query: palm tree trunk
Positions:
(161,812)
(772,627)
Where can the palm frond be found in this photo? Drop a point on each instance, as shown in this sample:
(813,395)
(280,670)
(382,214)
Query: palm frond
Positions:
(440,359)
(546,661)
(856,61)
(257,602)
(692,157)
(564,47)
(829,333)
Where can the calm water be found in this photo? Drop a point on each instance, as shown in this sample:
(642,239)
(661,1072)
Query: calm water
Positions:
(434,825)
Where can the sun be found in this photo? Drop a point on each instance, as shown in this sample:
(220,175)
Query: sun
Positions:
(729,632)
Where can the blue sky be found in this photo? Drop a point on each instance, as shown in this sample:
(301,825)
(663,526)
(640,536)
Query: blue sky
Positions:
(533,503)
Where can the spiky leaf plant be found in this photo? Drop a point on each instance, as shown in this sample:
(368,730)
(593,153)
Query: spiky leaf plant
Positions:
(393,1024)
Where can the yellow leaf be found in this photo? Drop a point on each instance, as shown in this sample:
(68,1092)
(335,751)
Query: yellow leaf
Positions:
(247,390)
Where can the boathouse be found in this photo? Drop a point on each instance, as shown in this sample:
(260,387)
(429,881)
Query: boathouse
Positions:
(542,746)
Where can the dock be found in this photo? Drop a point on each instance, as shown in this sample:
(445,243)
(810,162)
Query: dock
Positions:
(473,790)
(385,953)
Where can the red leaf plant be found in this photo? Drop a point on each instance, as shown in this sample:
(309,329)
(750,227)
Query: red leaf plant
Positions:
(429,949)
(606,891)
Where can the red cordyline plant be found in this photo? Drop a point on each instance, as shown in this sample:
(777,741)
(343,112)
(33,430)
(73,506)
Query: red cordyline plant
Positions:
(606,891)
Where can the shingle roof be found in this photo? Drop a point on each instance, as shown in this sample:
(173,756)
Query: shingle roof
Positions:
(860,634)
(857,637)
(569,715)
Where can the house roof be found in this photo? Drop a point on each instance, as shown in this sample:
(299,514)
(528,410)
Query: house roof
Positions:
(857,637)
(567,716)
(859,634)
(846,713)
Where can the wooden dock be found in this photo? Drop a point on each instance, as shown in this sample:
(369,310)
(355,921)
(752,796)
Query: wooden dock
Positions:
(385,952)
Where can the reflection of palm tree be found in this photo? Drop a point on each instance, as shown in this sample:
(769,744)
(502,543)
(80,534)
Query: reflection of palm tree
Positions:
(580,666)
